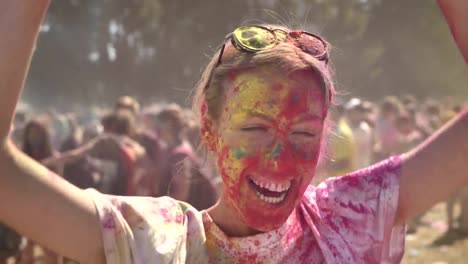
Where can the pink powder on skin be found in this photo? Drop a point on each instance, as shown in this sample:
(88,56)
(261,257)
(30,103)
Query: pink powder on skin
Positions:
(281,162)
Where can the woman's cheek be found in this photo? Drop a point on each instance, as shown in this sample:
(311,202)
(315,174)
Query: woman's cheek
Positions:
(231,165)
(306,152)
(307,160)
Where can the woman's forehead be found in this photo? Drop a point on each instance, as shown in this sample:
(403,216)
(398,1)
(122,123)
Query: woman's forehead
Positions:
(273,93)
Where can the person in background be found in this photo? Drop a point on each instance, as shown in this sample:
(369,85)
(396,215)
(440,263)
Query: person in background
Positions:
(11,244)
(37,144)
(370,115)
(341,146)
(81,172)
(59,128)
(408,134)
(409,137)
(181,173)
(146,135)
(113,156)
(362,133)
(119,152)
(385,129)
(409,100)
(127,103)
(433,111)
(18,126)
(194,137)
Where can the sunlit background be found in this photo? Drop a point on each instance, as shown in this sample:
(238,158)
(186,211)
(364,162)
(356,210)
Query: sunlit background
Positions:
(91,52)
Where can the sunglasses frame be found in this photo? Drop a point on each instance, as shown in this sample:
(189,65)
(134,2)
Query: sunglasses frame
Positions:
(241,47)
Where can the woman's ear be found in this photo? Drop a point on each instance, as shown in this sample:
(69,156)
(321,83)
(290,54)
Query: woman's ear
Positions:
(208,128)
(208,134)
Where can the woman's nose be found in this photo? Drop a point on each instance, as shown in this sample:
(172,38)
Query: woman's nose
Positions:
(279,158)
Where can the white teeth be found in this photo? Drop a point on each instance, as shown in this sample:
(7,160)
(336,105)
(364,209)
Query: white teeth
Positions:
(272,200)
(285,187)
(274,187)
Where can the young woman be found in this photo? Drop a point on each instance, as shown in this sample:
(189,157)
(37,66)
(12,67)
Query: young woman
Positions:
(37,144)
(181,175)
(263,101)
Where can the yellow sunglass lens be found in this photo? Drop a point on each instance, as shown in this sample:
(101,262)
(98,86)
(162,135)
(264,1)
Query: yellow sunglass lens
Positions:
(255,38)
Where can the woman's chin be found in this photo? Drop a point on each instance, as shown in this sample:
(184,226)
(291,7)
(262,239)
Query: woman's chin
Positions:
(264,216)
(265,220)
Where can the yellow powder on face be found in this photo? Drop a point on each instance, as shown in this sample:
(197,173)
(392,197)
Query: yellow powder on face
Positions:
(261,98)
(252,93)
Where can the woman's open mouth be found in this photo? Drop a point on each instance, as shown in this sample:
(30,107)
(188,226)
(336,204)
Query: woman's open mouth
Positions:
(269,191)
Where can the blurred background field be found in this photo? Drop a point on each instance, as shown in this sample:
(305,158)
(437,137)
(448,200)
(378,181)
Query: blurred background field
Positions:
(91,52)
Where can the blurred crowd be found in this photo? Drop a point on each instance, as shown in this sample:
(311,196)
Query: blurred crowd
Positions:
(155,151)
(120,151)
(365,132)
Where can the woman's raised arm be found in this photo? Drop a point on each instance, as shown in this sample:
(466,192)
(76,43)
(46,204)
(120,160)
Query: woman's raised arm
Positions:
(435,170)
(438,168)
(35,202)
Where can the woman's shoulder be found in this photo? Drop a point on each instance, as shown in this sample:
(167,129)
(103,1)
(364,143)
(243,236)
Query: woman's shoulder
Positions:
(383,173)
(163,209)
(358,209)
(361,191)
(156,229)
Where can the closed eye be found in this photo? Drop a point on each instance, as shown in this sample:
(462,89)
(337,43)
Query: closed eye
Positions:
(303,133)
(254,129)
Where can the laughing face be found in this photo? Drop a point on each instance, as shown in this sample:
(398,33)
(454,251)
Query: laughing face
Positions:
(268,144)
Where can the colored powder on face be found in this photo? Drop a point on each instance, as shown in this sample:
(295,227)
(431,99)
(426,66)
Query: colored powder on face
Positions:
(238,152)
(296,98)
(232,75)
(309,155)
(276,151)
(271,103)
(277,87)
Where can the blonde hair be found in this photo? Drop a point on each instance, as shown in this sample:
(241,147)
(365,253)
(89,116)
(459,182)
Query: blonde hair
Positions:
(285,56)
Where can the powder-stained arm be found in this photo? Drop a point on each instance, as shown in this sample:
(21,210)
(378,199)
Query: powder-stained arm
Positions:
(438,168)
(435,170)
(456,14)
(35,202)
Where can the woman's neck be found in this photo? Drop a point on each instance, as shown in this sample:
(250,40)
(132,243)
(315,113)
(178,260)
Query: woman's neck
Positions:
(226,217)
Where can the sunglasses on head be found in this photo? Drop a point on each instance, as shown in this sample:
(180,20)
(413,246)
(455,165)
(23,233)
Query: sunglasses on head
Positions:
(253,39)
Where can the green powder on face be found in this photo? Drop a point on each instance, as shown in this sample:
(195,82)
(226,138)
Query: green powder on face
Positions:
(238,152)
(276,151)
